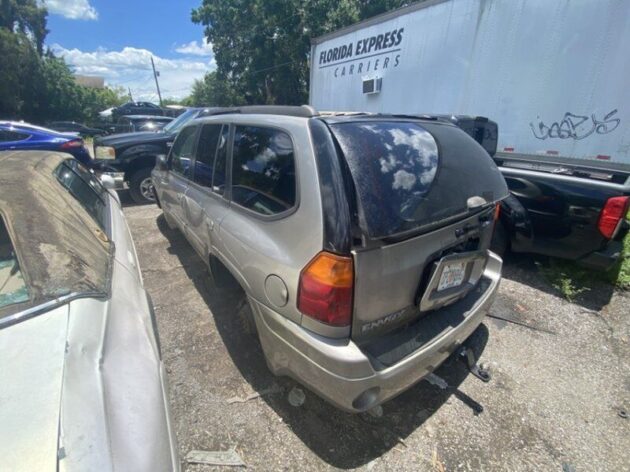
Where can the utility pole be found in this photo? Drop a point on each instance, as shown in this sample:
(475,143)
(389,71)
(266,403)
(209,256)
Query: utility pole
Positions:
(155,75)
(130,96)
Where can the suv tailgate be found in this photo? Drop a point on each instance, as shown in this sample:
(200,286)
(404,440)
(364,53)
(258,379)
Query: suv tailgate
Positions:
(425,198)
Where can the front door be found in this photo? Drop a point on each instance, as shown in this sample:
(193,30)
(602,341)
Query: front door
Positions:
(180,171)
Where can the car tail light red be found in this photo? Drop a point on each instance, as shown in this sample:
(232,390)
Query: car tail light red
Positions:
(73,144)
(612,215)
(326,287)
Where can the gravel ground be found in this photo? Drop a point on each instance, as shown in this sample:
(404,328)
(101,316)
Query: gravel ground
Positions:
(553,402)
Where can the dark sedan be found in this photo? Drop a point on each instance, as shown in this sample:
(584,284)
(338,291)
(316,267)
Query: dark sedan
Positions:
(22,136)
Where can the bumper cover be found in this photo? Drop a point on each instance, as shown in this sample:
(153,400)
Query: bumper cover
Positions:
(349,377)
(605,259)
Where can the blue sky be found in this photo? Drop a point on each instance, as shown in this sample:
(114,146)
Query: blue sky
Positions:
(116,38)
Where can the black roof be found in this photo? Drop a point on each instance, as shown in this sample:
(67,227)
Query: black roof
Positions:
(60,248)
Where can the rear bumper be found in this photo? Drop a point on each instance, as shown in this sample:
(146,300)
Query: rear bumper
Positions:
(605,259)
(341,372)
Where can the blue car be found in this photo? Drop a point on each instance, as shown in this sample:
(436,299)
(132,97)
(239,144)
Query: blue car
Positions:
(22,136)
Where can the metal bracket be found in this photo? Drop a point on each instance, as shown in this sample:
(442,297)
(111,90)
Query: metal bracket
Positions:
(467,356)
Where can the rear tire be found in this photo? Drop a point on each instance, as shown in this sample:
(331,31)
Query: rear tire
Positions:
(141,187)
(246,317)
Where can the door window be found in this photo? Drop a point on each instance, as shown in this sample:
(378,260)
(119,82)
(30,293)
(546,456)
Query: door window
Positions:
(7,136)
(220,166)
(263,170)
(182,151)
(206,150)
(84,187)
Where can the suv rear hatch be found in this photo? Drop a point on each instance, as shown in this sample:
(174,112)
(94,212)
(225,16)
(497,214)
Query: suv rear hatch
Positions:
(426,194)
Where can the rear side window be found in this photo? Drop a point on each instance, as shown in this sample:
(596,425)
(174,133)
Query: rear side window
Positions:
(206,151)
(263,170)
(182,151)
(12,286)
(10,136)
(84,187)
(409,174)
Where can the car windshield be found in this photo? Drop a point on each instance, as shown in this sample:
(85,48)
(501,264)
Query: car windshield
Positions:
(12,286)
(175,125)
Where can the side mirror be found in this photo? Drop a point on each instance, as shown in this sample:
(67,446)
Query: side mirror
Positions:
(108,181)
(160,162)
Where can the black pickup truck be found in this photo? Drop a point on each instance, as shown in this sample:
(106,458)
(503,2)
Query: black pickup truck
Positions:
(130,157)
(567,208)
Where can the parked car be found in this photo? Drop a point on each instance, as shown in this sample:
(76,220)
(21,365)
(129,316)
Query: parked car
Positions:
(129,158)
(74,127)
(22,136)
(361,241)
(567,208)
(138,123)
(131,108)
(83,384)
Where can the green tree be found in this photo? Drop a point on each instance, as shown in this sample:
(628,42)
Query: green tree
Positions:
(37,86)
(26,17)
(262,47)
(214,91)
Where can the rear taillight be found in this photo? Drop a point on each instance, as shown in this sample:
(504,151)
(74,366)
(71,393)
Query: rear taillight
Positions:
(497,212)
(75,143)
(326,286)
(612,215)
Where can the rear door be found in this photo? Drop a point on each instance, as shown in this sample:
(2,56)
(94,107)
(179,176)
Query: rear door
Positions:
(204,203)
(180,171)
(425,195)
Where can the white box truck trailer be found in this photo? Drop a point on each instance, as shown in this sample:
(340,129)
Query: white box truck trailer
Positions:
(554,74)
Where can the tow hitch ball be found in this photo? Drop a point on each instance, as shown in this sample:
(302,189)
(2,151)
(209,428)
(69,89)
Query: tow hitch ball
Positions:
(467,356)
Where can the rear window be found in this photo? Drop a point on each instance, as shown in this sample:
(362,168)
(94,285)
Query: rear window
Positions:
(409,174)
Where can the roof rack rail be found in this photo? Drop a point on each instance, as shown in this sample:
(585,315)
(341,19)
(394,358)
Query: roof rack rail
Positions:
(303,111)
(376,114)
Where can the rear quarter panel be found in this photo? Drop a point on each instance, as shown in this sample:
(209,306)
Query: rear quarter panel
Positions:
(254,248)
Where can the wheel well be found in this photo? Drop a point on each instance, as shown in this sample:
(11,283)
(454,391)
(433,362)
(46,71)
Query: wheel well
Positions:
(141,162)
(221,275)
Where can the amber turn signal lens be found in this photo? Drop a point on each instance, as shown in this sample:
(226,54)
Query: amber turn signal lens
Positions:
(326,289)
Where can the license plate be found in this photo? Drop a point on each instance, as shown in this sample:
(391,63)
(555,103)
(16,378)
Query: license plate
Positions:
(452,275)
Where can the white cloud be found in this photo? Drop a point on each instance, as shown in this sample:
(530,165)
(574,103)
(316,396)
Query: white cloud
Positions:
(131,67)
(404,180)
(73,9)
(194,48)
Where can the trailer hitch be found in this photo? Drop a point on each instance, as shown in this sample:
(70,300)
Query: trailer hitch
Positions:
(467,356)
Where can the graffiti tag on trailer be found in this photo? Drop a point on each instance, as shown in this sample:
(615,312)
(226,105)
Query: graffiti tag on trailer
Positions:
(576,126)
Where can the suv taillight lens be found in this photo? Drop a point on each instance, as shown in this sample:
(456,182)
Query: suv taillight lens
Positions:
(612,215)
(326,286)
